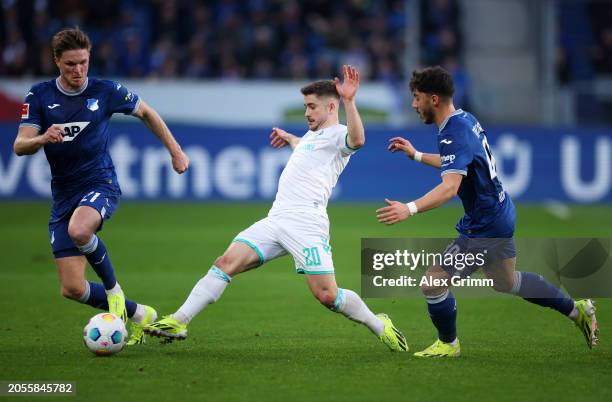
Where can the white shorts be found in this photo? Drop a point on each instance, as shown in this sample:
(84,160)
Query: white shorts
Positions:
(304,236)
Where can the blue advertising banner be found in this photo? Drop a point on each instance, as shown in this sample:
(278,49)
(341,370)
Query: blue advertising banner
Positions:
(535,164)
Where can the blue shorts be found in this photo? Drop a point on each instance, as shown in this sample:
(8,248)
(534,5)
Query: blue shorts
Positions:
(102,197)
(467,254)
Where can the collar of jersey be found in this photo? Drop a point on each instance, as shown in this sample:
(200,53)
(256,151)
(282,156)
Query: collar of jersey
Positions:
(455,113)
(77,92)
(322,130)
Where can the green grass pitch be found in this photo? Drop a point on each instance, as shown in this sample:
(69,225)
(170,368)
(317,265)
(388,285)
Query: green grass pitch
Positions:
(268,339)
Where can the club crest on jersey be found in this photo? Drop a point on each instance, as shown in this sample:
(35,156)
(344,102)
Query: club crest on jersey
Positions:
(72,129)
(92,104)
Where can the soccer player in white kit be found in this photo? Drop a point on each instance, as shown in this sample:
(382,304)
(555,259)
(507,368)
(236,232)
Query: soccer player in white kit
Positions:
(297,223)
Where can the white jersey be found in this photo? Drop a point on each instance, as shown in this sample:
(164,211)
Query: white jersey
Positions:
(312,171)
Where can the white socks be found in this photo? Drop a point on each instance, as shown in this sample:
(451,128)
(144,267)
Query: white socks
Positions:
(115,290)
(139,314)
(207,291)
(349,304)
(573,315)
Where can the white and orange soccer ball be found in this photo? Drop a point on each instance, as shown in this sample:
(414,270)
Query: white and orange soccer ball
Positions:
(105,334)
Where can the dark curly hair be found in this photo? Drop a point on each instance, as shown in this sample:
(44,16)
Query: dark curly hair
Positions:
(433,80)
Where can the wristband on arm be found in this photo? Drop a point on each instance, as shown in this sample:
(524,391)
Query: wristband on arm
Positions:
(412,208)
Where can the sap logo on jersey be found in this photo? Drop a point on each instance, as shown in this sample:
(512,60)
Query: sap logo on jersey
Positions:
(71,130)
(447,159)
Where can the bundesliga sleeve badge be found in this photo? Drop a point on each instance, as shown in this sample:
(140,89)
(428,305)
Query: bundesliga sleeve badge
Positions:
(25,110)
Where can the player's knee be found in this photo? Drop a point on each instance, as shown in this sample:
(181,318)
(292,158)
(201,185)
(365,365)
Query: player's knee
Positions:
(72,291)
(432,291)
(426,286)
(223,262)
(227,264)
(326,297)
(79,233)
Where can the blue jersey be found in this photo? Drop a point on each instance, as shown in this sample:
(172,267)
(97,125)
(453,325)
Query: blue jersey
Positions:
(83,157)
(463,147)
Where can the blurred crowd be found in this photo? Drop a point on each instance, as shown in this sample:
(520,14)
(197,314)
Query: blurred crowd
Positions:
(601,15)
(441,42)
(230,39)
(585,40)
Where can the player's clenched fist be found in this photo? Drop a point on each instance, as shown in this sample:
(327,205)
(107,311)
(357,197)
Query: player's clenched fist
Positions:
(53,135)
(180,162)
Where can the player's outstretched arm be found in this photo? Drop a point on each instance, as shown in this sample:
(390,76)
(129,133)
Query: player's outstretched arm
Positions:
(180,161)
(28,141)
(402,144)
(396,211)
(279,138)
(347,91)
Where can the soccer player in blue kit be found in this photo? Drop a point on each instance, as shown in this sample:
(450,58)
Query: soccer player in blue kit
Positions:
(69,117)
(468,170)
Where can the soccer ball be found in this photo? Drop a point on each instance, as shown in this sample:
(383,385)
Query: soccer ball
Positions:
(105,334)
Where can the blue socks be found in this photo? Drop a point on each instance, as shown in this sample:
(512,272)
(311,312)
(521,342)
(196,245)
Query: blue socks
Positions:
(531,287)
(95,296)
(95,252)
(535,289)
(443,313)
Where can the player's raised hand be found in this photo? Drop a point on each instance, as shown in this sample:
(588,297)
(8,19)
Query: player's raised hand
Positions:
(348,88)
(180,162)
(279,137)
(402,144)
(394,212)
(53,135)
